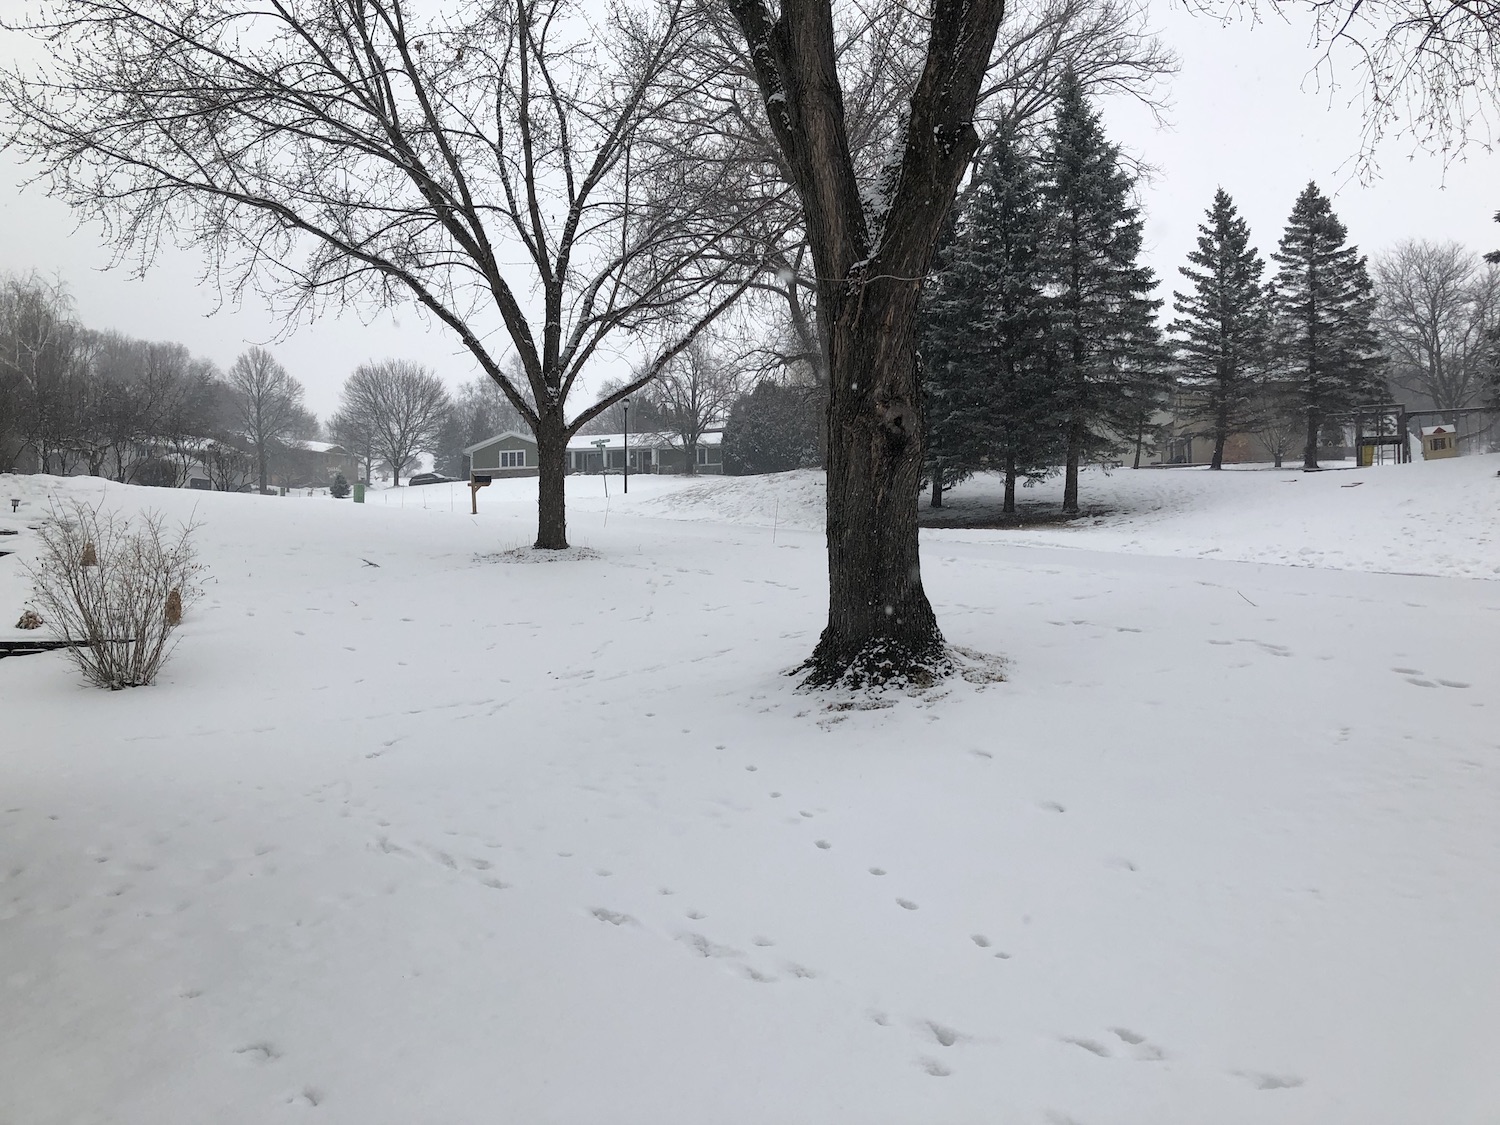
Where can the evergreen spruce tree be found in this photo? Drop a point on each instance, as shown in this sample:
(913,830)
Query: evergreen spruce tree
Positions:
(1104,343)
(987,403)
(1221,326)
(1322,300)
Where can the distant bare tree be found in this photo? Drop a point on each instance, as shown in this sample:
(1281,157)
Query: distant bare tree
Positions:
(401,406)
(509,165)
(268,406)
(644,411)
(228,468)
(39,346)
(1437,308)
(695,392)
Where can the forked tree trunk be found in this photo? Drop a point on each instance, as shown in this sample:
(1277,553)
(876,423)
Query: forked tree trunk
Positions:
(551,498)
(880,624)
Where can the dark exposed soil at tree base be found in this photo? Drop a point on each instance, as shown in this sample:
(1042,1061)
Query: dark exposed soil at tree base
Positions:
(988,516)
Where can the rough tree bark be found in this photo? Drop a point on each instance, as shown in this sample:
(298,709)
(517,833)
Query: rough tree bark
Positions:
(881,627)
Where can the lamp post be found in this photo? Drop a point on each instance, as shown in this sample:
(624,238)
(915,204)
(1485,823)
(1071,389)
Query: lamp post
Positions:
(625,402)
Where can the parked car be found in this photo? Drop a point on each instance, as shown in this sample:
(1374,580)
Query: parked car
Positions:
(430,478)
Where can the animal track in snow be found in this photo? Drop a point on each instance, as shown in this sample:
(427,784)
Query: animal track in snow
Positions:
(906,904)
(613,917)
(824,844)
(1090,1045)
(259,1052)
(944,1035)
(933,1067)
(1264,1081)
(980,940)
(1140,1048)
(877,871)
(707,948)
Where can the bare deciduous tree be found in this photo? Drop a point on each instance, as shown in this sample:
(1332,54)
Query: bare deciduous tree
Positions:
(693,393)
(268,406)
(43,365)
(872,240)
(879,48)
(478,161)
(1437,307)
(399,405)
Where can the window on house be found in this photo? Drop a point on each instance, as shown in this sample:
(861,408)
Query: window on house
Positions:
(512,458)
(1439,443)
(702,455)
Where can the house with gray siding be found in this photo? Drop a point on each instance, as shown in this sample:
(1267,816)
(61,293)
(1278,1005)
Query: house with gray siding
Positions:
(513,454)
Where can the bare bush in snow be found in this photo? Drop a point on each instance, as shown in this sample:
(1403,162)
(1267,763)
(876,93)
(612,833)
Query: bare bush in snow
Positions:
(114,588)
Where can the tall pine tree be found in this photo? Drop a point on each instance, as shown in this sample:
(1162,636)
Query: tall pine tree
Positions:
(987,401)
(1322,298)
(1221,326)
(1104,343)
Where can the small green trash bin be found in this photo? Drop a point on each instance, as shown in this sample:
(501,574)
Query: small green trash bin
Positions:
(359,492)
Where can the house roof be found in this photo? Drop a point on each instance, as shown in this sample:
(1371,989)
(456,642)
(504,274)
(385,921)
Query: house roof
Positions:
(582,443)
(643,440)
(1429,431)
(499,437)
(321,447)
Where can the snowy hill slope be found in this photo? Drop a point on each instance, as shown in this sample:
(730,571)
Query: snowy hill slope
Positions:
(456,838)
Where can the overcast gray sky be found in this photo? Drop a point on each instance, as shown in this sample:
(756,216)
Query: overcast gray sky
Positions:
(1246,115)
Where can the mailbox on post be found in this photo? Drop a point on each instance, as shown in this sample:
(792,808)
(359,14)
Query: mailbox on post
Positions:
(476,482)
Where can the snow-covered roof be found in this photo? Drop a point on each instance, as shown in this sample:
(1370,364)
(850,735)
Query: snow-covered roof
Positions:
(321,447)
(647,439)
(498,437)
(643,440)
(1429,431)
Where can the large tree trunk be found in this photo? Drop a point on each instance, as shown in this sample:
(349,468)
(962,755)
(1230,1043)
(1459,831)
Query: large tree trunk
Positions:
(1009,507)
(880,624)
(1221,434)
(1070,472)
(937,484)
(1310,448)
(260,458)
(552,471)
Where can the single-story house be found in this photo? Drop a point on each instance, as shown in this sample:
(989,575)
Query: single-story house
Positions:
(513,454)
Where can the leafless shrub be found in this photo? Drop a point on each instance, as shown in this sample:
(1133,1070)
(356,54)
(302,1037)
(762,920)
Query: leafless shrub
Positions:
(115,608)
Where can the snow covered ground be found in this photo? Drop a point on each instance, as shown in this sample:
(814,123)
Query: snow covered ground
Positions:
(465,837)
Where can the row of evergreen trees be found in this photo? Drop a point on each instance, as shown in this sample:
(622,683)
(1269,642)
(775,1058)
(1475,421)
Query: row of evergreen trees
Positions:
(1040,334)
(1252,355)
